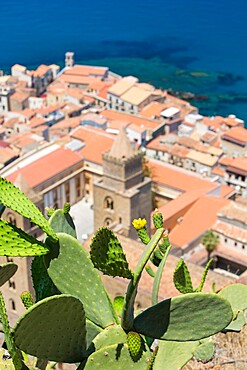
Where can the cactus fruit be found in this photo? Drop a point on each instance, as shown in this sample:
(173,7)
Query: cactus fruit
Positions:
(187,317)
(182,279)
(81,281)
(143,235)
(140,226)
(134,342)
(27,300)
(107,254)
(173,355)
(116,357)
(53,329)
(7,270)
(15,242)
(66,208)
(12,197)
(157,219)
(49,211)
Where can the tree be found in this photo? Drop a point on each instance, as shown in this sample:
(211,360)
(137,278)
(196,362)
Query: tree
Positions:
(210,240)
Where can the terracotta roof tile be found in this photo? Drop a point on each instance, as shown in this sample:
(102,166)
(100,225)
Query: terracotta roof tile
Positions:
(237,135)
(46,167)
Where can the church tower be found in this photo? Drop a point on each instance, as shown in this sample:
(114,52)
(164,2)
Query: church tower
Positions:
(69,59)
(123,193)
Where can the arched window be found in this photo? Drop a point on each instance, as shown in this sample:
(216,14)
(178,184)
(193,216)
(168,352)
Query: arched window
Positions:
(11,218)
(12,304)
(108,221)
(108,203)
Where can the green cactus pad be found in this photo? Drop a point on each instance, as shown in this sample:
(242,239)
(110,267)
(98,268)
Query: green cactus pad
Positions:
(42,282)
(116,357)
(182,279)
(7,270)
(204,275)
(205,351)
(236,294)
(112,335)
(73,273)
(174,355)
(92,331)
(53,329)
(13,198)
(62,222)
(188,317)
(15,242)
(107,254)
(237,323)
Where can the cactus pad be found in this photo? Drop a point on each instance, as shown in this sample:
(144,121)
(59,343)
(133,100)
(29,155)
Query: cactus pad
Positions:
(92,331)
(107,254)
(118,304)
(205,351)
(15,242)
(13,198)
(237,323)
(188,317)
(109,336)
(53,329)
(116,357)
(73,273)
(236,294)
(7,270)
(174,355)
(182,279)
(204,275)
(42,282)
(143,235)
(62,222)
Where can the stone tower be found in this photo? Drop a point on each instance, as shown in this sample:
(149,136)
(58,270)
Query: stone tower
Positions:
(123,193)
(69,59)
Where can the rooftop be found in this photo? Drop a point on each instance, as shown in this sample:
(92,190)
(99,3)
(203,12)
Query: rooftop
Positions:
(237,135)
(135,95)
(122,86)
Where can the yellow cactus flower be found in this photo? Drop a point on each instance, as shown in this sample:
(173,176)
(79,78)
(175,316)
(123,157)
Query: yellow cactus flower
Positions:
(139,223)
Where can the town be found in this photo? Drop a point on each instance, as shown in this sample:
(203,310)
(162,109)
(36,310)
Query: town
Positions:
(116,149)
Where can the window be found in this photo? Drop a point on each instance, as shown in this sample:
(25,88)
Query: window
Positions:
(12,304)
(243,246)
(108,221)
(9,259)
(67,192)
(78,186)
(236,244)
(225,240)
(108,203)
(12,284)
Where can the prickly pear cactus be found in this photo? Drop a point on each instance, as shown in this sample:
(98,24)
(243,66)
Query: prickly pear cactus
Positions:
(111,335)
(53,329)
(27,300)
(7,270)
(42,282)
(15,242)
(117,357)
(118,304)
(157,219)
(107,254)
(182,279)
(205,351)
(188,317)
(12,197)
(62,222)
(73,273)
(134,342)
(173,355)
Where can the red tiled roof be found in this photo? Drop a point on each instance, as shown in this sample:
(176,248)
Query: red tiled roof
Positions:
(199,218)
(177,179)
(113,115)
(46,167)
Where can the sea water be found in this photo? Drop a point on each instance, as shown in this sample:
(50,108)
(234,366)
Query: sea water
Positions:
(194,45)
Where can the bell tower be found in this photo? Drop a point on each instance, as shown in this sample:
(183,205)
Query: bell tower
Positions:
(69,59)
(123,193)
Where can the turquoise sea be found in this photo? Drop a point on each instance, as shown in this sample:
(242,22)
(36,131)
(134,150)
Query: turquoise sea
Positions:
(194,45)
